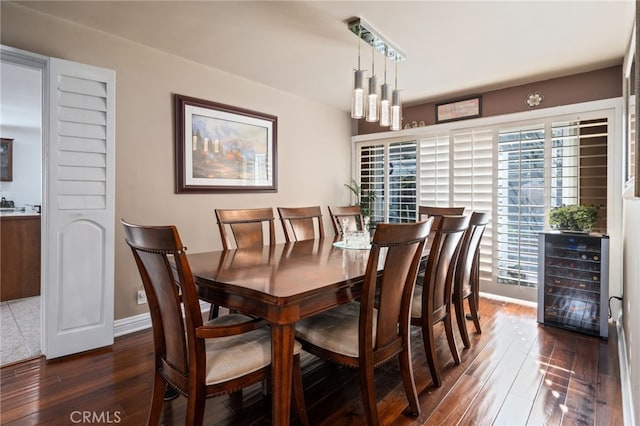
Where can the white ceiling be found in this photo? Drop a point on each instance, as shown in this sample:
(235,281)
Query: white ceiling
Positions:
(304,47)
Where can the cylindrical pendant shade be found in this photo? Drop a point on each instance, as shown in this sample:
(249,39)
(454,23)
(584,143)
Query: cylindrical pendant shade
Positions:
(385,105)
(357,100)
(396,113)
(372,100)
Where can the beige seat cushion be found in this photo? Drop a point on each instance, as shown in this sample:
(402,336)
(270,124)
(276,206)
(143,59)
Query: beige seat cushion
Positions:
(234,356)
(335,330)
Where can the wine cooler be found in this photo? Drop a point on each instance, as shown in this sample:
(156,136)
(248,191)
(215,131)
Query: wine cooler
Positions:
(573,282)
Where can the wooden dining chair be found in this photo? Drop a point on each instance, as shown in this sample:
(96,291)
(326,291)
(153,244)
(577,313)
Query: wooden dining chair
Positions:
(243,228)
(353,213)
(364,334)
(198,360)
(467,277)
(432,300)
(301,223)
(246,226)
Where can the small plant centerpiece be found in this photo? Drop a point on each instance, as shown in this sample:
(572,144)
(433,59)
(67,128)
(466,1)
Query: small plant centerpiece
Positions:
(574,217)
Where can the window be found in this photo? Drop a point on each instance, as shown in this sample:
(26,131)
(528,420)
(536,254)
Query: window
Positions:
(516,171)
(520,207)
(388,170)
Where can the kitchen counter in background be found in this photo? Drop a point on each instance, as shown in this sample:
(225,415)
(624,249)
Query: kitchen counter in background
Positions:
(17,211)
(19,254)
(18,214)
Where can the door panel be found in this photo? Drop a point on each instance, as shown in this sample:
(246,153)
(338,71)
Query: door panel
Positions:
(80,168)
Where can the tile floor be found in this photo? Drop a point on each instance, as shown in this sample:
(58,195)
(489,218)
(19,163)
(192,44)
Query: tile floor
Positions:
(19,329)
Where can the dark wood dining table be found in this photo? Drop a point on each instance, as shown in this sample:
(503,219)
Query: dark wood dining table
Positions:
(281,283)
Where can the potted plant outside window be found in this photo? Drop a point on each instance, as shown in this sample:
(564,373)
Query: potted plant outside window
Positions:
(573,217)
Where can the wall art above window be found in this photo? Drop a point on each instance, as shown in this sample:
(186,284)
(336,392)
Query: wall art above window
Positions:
(458,110)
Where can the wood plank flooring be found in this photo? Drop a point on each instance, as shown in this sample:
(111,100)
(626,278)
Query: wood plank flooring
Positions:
(516,372)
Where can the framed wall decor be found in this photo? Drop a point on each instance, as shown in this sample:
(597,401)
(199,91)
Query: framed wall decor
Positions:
(6,160)
(461,109)
(221,148)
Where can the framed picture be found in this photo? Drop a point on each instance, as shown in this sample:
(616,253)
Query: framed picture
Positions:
(461,109)
(221,148)
(6,160)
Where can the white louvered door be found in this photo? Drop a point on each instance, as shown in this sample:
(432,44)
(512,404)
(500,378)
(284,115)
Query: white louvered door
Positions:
(79,216)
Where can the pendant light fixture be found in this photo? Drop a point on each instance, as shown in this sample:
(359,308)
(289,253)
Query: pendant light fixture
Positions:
(357,97)
(396,112)
(372,97)
(385,101)
(387,111)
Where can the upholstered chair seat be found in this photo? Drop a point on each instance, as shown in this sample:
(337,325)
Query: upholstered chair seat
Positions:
(335,330)
(231,357)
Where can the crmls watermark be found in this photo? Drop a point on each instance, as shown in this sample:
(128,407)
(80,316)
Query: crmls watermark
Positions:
(95,417)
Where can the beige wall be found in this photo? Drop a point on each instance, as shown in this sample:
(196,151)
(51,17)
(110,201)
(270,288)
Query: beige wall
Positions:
(313,140)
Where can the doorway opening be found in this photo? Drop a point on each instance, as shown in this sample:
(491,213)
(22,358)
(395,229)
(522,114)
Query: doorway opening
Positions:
(21,112)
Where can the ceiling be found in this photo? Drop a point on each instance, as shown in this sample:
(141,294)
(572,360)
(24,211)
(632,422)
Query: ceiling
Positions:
(453,48)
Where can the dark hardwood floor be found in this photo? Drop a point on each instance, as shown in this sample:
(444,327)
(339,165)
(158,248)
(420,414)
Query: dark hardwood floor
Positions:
(516,372)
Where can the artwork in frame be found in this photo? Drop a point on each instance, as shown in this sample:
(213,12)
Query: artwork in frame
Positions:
(221,148)
(6,160)
(460,109)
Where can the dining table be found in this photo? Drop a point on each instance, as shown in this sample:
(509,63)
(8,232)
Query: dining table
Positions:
(281,283)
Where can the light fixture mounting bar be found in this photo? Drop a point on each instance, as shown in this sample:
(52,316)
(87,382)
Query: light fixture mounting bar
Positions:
(373,37)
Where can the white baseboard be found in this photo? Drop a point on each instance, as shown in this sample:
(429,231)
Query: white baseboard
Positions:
(628,414)
(141,322)
(509,299)
(131,324)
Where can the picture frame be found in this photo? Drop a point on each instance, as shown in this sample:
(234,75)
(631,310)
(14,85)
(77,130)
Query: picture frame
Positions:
(461,109)
(223,149)
(6,160)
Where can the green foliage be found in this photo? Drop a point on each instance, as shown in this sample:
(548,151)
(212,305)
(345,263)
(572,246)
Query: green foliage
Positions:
(364,200)
(574,217)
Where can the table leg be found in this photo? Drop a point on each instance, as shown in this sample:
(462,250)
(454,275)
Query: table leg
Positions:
(282,337)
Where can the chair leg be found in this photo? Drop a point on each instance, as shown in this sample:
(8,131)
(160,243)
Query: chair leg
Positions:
(214,311)
(236,400)
(430,350)
(408,380)
(368,389)
(473,309)
(298,393)
(195,409)
(448,328)
(157,399)
(458,304)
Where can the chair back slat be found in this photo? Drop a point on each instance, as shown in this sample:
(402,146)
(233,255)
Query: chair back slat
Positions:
(469,251)
(353,213)
(249,227)
(439,274)
(301,223)
(436,213)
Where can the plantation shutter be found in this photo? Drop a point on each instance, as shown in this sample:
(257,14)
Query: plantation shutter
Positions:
(472,185)
(434,171)
(388,170)
(520,203)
